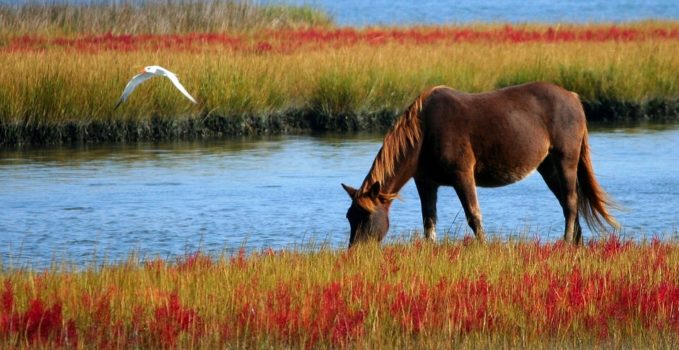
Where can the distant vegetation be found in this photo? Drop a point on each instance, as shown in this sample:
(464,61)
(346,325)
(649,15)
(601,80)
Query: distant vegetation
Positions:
(416,295)
(278,69)
(152,17)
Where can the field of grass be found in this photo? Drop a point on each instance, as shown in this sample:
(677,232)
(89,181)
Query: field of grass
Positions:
(61,18)
(609,293)
(270,79)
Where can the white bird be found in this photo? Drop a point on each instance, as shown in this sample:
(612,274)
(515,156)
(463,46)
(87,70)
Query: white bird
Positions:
(148,73)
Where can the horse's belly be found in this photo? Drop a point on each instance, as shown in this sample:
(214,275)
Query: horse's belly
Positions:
(497,178)
(510,160)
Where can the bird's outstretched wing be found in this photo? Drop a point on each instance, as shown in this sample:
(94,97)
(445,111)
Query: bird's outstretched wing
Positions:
(131,85)
(173,78)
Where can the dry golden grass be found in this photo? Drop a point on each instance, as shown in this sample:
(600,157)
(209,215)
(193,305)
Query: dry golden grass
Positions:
(60,85)
(60,89)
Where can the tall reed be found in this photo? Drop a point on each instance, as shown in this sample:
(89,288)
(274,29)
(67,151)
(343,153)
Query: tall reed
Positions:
(152,17)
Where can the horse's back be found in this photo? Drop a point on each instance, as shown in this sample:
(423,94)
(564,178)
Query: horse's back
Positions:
(539,99)
(502,135)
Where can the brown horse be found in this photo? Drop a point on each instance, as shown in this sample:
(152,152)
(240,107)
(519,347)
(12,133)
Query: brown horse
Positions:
(451,138)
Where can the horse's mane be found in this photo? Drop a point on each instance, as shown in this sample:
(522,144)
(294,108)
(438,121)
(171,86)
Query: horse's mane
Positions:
(403,135)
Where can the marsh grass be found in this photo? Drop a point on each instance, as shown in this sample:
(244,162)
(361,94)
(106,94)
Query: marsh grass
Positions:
(513,293)
(58,84)
(152,17)
(58,94)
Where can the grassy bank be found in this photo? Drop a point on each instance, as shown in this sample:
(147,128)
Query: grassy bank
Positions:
(152,17)
(64,89)
(456,293)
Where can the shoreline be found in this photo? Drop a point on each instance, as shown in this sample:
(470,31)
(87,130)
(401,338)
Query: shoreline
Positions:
(293,121)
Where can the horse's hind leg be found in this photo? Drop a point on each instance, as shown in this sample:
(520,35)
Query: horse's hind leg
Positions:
(428,192)
(561,181)
(465,186)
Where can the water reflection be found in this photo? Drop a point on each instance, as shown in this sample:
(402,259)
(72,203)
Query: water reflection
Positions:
(98,201)
(70,155)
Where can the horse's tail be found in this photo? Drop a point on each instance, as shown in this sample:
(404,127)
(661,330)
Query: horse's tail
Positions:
(593,201)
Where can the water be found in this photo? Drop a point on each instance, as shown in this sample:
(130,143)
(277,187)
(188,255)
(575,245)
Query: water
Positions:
(164,200)
(390,12)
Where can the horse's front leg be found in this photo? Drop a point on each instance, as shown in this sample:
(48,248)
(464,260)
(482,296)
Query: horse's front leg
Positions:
(465,186)
(428,192)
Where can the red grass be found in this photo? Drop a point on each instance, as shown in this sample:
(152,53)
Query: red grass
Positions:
(170,320)
(543,301)
(286,41)
(37,324)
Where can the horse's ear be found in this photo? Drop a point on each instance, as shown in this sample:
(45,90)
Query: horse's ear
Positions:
(350,190)
(375,190)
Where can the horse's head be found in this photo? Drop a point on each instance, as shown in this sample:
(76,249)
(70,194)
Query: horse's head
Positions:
(368,214)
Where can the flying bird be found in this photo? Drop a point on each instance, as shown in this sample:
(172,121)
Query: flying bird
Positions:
(148,73)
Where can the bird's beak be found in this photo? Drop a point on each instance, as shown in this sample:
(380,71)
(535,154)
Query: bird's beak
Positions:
(142,71)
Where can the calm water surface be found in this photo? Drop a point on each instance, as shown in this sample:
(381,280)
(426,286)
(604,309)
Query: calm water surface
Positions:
(166,199)
(399,12)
